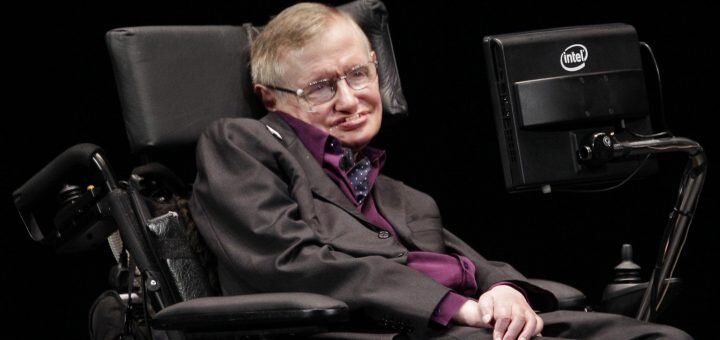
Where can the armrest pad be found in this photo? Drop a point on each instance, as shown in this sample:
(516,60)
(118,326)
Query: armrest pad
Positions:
(251,311)
(568,297)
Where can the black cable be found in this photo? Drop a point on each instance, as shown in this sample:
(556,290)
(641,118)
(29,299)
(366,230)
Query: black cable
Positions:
(628,178)
(661,100)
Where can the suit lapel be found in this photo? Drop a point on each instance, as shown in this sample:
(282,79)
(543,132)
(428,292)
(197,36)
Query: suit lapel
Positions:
(320,183)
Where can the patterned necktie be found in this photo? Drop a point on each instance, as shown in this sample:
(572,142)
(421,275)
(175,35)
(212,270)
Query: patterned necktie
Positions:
(358,174)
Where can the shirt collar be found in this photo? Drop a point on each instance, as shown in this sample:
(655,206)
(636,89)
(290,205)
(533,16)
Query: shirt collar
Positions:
(313,138)
(318,141)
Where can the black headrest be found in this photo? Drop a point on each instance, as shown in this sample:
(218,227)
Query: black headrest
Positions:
(372,17)
(174,80)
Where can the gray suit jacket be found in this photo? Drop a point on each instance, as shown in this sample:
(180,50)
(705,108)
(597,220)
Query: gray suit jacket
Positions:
(277,223)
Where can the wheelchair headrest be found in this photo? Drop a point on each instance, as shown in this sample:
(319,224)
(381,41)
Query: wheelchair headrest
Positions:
(174,80)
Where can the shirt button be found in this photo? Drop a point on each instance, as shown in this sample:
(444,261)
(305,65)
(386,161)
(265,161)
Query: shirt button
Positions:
(465,265)
(383,234)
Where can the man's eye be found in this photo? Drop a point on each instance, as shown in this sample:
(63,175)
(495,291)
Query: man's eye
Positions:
(359,72)
(318,85)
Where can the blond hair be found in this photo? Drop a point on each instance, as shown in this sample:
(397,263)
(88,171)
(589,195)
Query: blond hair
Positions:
(291,30)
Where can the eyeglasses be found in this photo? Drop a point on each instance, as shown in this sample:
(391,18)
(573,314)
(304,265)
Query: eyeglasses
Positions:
(323,90)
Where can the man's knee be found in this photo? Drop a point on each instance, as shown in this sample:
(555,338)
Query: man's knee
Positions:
(606,326)
(668,332)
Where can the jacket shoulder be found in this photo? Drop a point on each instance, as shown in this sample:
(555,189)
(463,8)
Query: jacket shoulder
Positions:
(243,132)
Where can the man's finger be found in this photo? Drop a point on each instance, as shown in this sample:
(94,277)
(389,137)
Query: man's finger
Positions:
(530,326)
(487,306)
(502,321)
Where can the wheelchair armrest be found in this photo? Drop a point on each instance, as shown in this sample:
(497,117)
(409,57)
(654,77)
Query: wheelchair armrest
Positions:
(251,312)
(568,297)
(78,221)
(63,166)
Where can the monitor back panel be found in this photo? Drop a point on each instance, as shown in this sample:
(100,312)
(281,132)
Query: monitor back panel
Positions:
(551,88)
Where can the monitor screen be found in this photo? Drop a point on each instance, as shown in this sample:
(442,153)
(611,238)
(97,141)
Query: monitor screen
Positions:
(552,89)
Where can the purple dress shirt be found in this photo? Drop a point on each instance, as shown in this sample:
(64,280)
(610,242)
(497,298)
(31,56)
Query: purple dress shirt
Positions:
(453,271)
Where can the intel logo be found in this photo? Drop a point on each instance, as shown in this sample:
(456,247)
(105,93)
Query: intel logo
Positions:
(574,57)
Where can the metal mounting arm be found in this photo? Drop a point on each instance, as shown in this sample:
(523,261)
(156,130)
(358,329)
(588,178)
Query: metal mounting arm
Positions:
(603,147)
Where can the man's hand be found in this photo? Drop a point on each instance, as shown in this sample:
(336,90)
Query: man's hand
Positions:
(504,309)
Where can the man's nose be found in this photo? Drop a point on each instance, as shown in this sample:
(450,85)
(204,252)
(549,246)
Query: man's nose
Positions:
(346,97)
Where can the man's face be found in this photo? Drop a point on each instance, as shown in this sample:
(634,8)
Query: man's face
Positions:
(352,116)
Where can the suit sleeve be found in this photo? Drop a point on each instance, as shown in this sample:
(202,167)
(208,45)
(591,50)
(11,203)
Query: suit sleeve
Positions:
(245,208)
(489,273)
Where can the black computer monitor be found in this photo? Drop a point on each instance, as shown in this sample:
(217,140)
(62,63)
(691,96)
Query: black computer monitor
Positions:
(552,89)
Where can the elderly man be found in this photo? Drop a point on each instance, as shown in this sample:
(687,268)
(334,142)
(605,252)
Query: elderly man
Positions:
(295,202)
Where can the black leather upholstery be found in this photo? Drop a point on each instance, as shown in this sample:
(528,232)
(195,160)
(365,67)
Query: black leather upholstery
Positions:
(273,310)
(568,298)
(372,16)
(173,80)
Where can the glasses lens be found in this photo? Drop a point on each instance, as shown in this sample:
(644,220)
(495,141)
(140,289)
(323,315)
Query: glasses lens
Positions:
(359,77)
(320,91)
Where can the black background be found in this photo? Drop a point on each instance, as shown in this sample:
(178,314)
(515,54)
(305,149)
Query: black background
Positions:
(63,93)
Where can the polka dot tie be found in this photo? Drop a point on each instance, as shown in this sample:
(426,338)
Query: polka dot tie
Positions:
(358,175)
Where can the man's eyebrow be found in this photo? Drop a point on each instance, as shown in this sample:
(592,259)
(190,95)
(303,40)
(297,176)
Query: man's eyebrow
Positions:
(323,75)
(328,74)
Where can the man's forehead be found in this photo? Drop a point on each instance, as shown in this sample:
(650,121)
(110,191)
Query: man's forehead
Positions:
(299,65)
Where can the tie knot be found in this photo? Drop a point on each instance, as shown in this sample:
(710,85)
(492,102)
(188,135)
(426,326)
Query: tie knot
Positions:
(347,160)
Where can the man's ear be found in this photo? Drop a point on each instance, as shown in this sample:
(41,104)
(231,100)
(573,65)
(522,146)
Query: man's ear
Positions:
(267,96)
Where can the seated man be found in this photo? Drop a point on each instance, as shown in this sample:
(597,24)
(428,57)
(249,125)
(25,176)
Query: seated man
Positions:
(295,202)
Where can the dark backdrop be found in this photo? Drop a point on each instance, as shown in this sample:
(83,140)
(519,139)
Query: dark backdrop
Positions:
(63,93)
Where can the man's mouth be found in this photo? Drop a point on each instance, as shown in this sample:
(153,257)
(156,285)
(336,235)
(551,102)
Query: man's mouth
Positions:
(349,122)
(353,117)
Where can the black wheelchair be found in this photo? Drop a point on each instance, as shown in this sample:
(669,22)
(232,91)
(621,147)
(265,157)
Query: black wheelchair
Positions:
(173,81)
